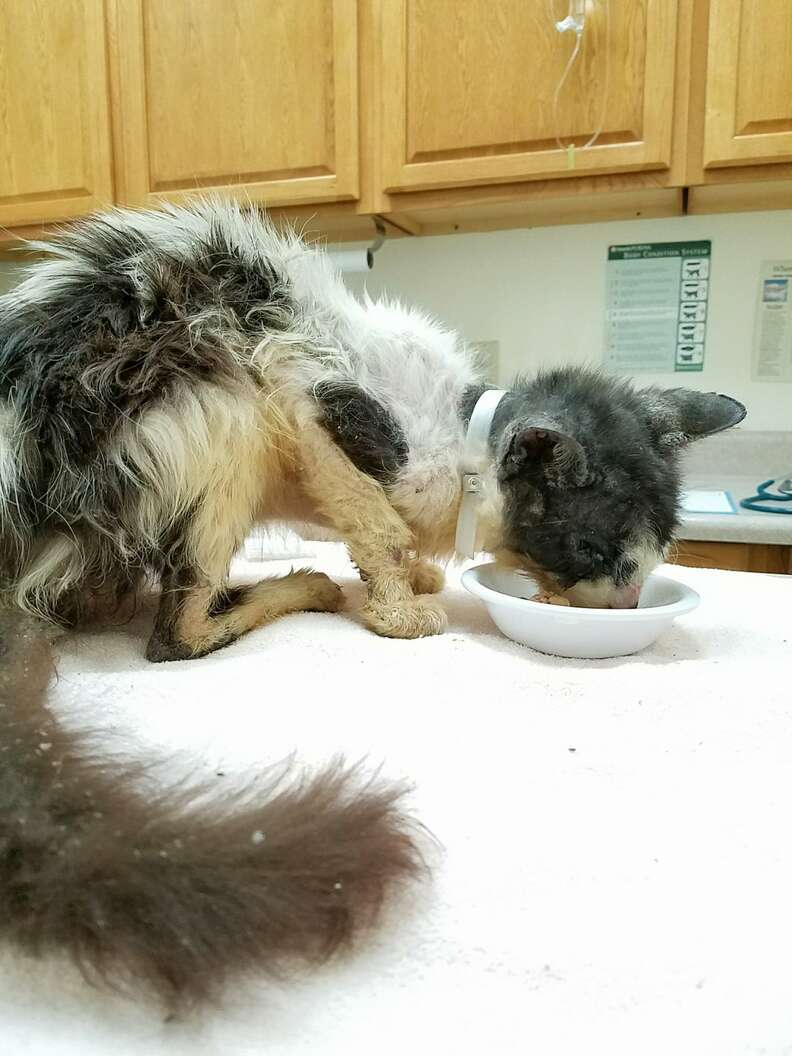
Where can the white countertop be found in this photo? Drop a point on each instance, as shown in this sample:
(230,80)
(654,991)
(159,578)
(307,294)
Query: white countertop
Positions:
(614,874)
(738,461)
(746,526)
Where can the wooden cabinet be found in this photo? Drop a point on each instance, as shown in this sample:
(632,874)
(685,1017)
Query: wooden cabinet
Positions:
(469,90)
(748,118)
(738,557)
(256,98)
(54,127)
(439,115)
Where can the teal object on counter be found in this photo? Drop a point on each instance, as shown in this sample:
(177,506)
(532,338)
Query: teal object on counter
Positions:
(763,495)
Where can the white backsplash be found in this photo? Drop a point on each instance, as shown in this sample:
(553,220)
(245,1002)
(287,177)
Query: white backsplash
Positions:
(741,453)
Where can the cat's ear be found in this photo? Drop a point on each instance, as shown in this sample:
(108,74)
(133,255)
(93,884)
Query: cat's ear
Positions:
(679,416)
(545,451)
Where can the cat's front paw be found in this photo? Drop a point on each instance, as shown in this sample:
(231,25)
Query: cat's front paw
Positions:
(426,578)
(411,618)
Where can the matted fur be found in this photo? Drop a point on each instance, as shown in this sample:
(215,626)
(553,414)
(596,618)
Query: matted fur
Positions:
(177,894)
(159,382)
(168,379)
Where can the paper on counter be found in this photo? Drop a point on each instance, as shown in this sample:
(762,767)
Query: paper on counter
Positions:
(694,501)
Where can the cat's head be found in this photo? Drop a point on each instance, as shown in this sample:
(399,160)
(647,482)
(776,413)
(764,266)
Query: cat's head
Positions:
(588,475)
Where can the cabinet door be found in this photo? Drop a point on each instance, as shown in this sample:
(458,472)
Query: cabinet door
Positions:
(749,83)
(469,88)
(252,97)
(54,128)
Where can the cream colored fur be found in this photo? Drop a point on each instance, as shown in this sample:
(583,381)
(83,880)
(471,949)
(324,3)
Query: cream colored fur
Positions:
(233,458)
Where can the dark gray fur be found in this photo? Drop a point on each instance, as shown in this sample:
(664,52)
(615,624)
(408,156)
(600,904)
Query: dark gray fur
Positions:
(589,465)
(366,432)
(164,890)
(130,325)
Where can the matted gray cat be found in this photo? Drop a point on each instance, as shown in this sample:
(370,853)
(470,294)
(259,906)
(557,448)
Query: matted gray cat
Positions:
(169,380)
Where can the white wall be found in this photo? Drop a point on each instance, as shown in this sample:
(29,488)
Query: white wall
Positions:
(540,293)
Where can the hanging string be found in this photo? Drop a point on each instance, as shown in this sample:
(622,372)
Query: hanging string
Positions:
(576,21)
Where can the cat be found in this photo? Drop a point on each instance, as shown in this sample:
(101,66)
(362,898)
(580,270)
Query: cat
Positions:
(170,379)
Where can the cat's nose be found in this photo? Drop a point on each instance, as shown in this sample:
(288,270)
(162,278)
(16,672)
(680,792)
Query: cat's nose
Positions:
(626,597)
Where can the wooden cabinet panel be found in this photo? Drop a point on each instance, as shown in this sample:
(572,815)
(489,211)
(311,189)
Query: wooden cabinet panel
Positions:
(749,83)
(54,127)
(252,97)
(740,557)
(468,90)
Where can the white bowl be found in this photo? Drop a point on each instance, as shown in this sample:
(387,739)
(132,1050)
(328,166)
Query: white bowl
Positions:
(561,630)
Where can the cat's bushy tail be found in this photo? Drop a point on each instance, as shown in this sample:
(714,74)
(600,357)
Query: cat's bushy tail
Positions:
(178,893)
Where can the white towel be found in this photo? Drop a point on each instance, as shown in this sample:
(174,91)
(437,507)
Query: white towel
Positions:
(616,871)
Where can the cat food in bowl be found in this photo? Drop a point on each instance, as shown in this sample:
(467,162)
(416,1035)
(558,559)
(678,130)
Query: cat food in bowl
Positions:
(528,615)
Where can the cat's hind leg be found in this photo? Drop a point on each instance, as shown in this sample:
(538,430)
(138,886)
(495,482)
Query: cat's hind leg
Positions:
(195,616)
(198,610)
